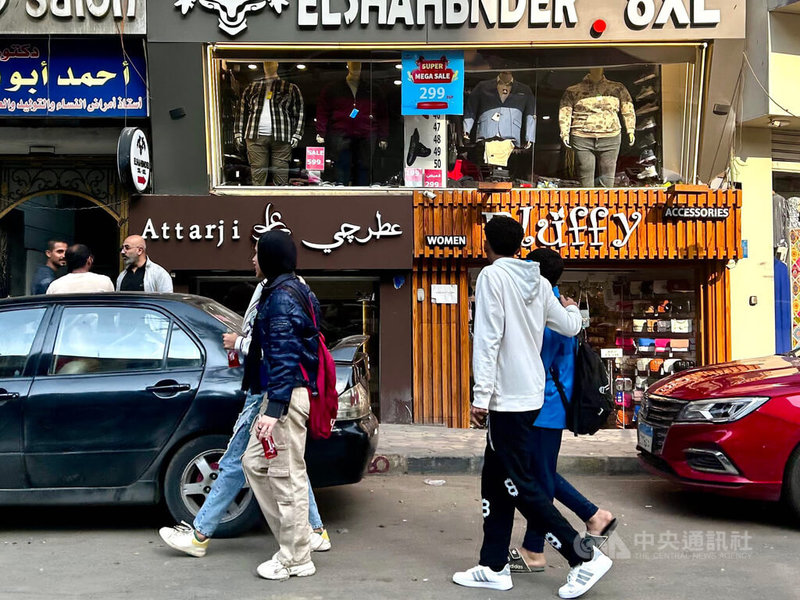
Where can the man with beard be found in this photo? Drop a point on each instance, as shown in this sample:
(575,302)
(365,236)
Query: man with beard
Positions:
(140,273)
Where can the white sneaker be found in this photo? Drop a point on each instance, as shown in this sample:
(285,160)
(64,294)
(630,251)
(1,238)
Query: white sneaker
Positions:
(320,542)
(181,538)
(484,577)
(582,577)
(275,570)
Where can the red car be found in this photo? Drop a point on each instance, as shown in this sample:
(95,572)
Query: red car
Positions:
(731,428)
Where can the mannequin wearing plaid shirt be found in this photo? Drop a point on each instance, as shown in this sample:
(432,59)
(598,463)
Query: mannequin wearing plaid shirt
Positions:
(271,121)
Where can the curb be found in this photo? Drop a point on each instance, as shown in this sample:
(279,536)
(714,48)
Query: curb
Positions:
(398,464)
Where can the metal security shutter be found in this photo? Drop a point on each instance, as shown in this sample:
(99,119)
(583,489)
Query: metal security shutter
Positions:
(786,146)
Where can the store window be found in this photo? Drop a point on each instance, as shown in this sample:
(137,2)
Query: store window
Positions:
(566,117)
(646,319)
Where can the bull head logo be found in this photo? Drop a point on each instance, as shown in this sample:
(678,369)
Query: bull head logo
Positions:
(232,13)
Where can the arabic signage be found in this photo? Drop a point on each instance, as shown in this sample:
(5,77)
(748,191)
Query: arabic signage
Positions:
(133,159)
(72,78)
(433,83)
(445,21)
(354,232)
(86,17)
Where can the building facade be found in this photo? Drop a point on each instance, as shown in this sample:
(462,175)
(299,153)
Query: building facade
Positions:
(383,133)
(71,77)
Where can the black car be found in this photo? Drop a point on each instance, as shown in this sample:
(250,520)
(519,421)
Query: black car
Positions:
(128,398)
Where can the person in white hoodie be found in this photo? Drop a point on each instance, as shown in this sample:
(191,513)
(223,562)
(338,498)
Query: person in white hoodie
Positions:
(513,305)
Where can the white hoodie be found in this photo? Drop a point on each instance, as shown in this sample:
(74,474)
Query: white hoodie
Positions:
(513,305)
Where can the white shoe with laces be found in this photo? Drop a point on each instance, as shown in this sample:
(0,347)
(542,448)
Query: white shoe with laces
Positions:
(181,538)
(484,577)
(320,542)
(275,570)
(582,577)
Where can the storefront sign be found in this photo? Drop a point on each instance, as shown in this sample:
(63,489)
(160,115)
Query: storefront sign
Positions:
(689,213)
(72,78)
(315,158)
(133,159)
(444,293)
(433,83)
(218,233)
(450,20)
(446,241)
(87,17)
(577,228)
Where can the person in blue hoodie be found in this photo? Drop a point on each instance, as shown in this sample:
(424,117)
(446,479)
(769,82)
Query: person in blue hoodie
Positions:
(558,353)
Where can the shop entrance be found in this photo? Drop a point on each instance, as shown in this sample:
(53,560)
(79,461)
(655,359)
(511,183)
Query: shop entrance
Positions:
(26,227)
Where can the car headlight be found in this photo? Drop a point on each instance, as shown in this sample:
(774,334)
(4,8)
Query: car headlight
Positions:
(724,410)
(353,404)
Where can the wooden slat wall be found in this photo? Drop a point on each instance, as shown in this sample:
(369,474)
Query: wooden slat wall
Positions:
(715,294)
(441,347)
(459,212)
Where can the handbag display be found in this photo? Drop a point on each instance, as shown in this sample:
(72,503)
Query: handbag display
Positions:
(664,326)
(679,345)
(646,344)
(640,324)
(663,344)
(681,325)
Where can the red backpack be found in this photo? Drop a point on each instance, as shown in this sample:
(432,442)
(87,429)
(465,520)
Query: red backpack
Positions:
(325,403)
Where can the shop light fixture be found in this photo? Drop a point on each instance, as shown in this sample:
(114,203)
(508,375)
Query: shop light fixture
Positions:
(397,82)
(252,67)
(302,67)
(546,118)
(398,67)
(778,123)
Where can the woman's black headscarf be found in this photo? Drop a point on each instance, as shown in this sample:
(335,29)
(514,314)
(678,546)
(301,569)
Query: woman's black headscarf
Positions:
(277,254)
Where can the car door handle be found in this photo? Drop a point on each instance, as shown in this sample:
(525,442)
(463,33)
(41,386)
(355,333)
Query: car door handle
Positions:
(168,388)
(6,396)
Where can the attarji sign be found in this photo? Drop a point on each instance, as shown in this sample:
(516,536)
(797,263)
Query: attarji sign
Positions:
(444,21)
(87,17)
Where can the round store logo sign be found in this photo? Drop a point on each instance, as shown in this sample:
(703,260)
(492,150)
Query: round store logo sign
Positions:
(133,159)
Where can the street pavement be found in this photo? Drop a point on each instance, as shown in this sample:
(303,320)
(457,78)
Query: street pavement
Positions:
(401,537)
(431,449)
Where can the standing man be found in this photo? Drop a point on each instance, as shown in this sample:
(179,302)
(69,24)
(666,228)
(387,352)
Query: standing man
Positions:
(46,274)
(513,305)
(558,356)
(271,122)
(140,273)
(80,279)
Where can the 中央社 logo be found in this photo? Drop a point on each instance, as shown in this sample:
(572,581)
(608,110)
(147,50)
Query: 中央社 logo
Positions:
(232,13)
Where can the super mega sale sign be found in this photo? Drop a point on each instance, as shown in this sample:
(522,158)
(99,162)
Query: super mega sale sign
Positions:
(433,83)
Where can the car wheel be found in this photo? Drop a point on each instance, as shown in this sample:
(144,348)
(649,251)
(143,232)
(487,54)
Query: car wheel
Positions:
(188,480)
(791,482)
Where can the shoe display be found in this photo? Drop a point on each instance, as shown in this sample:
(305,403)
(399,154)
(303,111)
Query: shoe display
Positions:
(181,538)
(582,577)
(416,148)
(484,577)
(646,141)
(646,92)
(647,156)
(644,77)
(320,542)
(648,123)
(647,109)
(647,173)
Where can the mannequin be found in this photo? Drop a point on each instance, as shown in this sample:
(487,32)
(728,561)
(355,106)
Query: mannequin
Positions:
(352,119)
(589,123)
(501,106)
(271,121)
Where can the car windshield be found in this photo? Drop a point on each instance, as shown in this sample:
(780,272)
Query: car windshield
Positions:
(222,314)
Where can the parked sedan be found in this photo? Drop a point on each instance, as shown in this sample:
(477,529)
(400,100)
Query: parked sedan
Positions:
(128,398)
(732,428)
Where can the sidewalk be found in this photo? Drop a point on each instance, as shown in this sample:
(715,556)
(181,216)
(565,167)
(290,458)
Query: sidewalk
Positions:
(428,449)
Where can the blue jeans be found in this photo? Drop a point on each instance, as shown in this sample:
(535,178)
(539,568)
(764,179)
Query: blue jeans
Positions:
(545,445)
(231,477)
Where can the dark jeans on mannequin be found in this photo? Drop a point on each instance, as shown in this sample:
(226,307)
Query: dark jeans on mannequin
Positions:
(352,158)
(596,154)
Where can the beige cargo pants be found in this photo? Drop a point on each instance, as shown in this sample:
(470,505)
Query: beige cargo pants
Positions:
(280,484)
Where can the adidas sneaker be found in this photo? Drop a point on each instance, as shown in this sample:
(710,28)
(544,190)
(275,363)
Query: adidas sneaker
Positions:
(484,577)
(582,577)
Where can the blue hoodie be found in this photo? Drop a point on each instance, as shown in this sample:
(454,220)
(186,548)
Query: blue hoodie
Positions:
(557,351)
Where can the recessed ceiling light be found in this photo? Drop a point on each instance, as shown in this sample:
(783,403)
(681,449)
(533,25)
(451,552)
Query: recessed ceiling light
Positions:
(398,67)
(778,122)
(398,82)
(252,67)
(546,118)
(301,67)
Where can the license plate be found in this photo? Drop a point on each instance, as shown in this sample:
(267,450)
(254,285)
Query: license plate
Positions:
(645,435)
